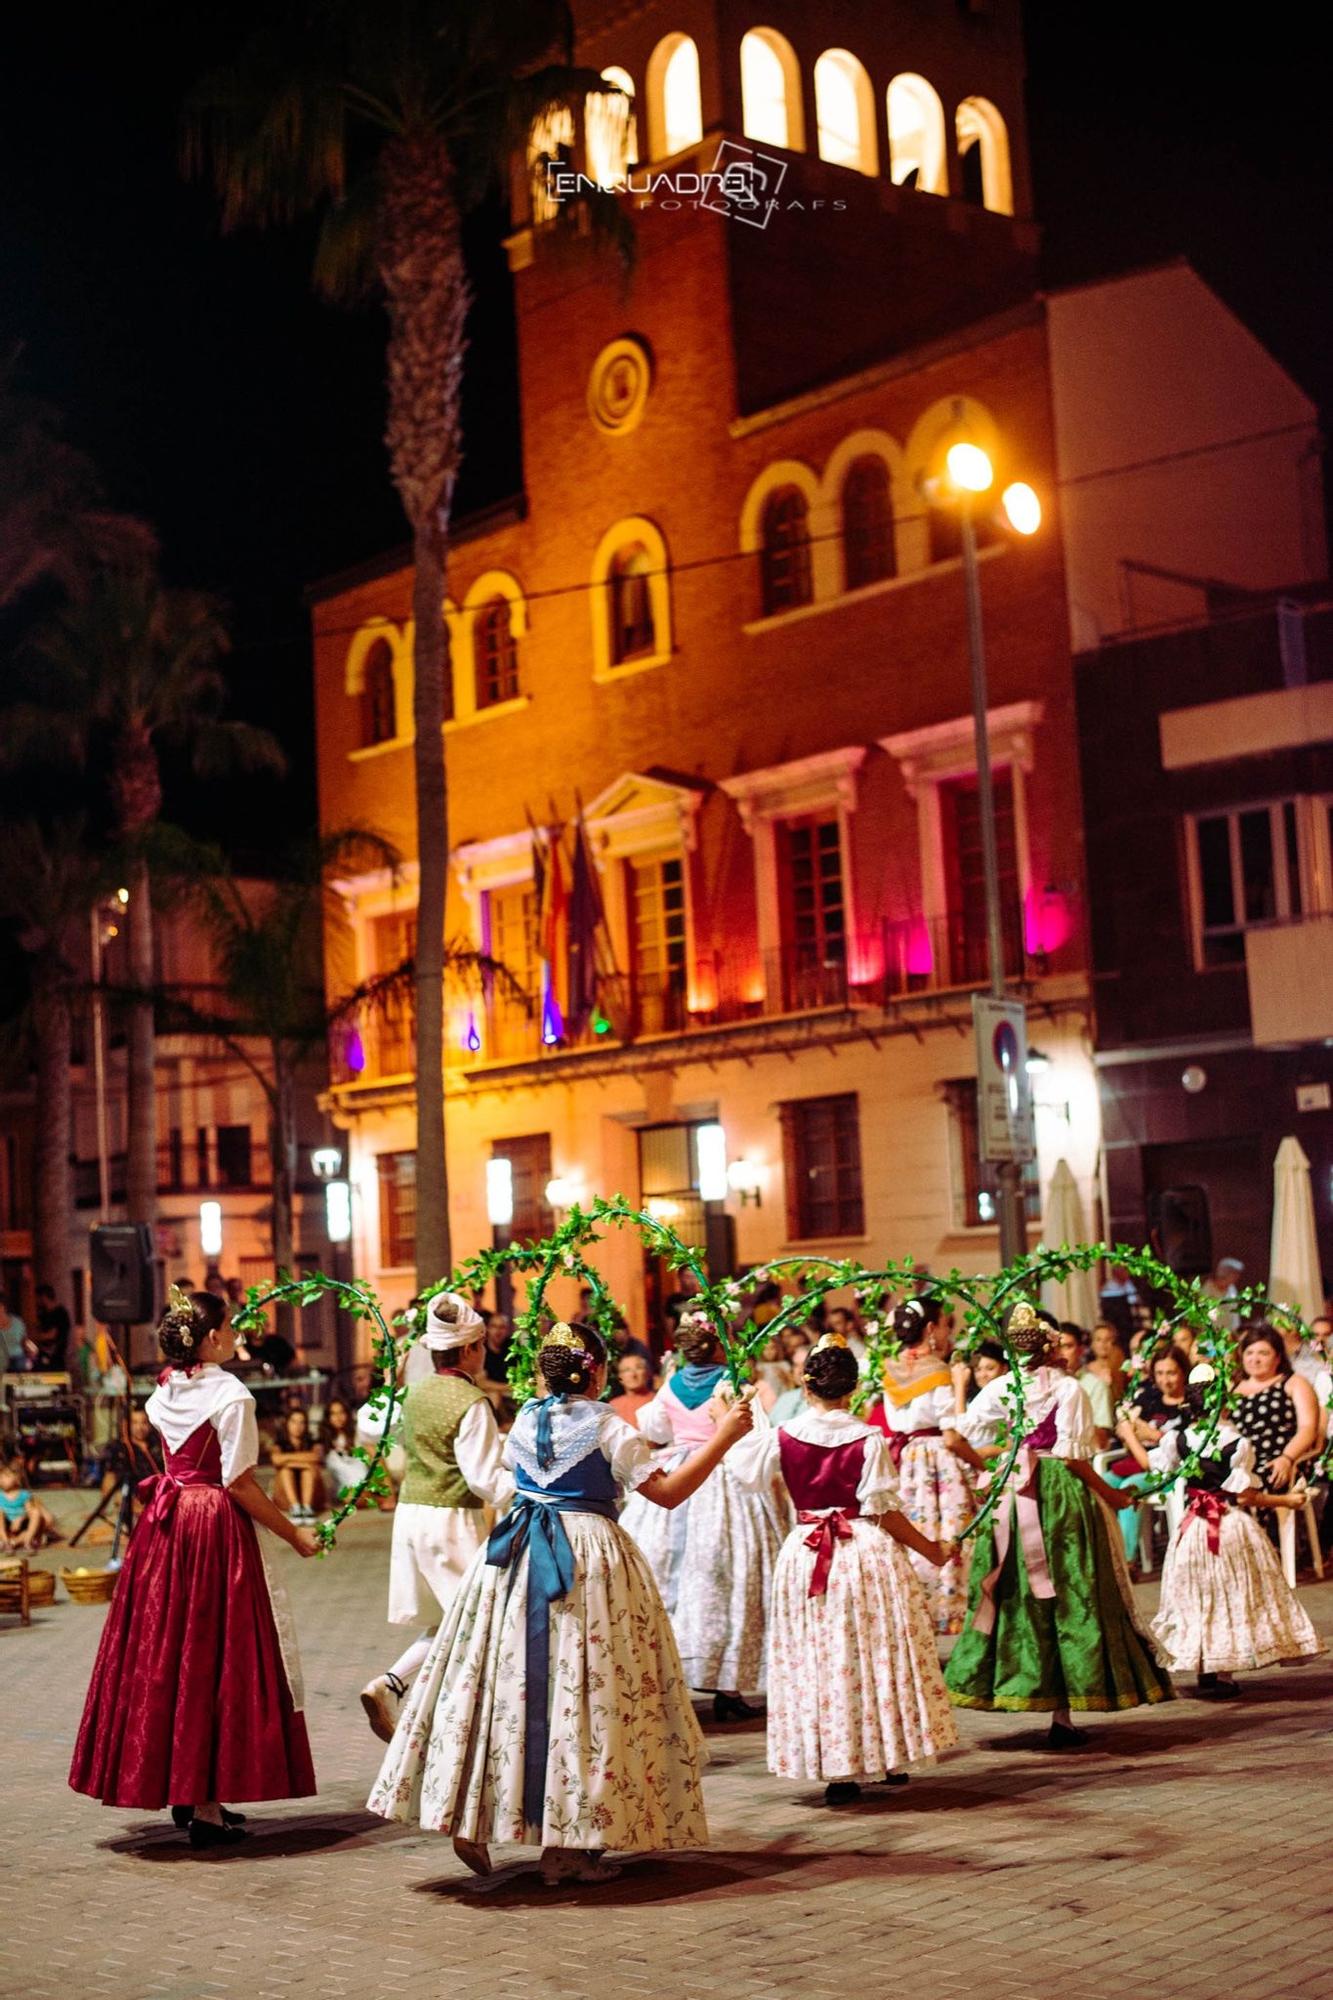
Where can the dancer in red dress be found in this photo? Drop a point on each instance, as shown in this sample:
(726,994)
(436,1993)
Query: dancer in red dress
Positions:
(196,1691)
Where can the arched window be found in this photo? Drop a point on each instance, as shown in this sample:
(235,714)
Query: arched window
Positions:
(675,106)
(771,90)
(983,150)
(784,552)
(845,104)
(495,651)
(379,722)
(867,523)
(611,130)
(551,138)
(631,605)
(916,135)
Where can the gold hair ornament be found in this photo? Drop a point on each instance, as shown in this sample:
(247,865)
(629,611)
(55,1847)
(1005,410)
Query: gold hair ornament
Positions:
(1026,1331)
(180,1314)
(563,1335)
(827,1340)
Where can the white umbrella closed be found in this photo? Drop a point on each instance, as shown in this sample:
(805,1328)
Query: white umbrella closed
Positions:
(1293,1265)
(1074,1297)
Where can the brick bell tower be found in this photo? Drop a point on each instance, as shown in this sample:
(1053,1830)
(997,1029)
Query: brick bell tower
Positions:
(881,149)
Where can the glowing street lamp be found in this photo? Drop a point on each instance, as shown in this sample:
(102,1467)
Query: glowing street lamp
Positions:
(969,472)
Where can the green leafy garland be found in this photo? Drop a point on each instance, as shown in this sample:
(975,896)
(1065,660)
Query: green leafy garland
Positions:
(986,1301)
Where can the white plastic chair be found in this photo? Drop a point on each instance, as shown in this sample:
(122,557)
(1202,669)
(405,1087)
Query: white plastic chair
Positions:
(1286,1538)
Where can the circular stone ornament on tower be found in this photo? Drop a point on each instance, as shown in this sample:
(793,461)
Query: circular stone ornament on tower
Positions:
(618,385)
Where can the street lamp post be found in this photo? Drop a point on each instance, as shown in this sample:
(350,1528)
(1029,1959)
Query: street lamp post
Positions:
(1012,1218)
(968,473)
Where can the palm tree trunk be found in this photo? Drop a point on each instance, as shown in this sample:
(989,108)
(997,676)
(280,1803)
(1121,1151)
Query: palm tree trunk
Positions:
(283,1150)
(420,257)
(141,1164)
(54,1202)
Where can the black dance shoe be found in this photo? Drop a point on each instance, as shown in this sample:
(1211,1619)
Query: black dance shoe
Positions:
(207,1833)
(731,1708)
(1211,1688)
(182,1816)
(844,1794)
(1063,1737)
(897,1778)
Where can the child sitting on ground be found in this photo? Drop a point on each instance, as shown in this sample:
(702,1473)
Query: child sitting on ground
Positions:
(24,1522)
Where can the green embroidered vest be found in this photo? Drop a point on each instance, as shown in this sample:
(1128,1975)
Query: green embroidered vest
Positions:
(432,1413)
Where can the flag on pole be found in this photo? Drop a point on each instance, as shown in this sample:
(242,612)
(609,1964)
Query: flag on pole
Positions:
(586,918)
(552,935)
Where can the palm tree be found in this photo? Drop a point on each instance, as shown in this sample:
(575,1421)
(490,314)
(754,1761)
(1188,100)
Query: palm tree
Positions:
(55,528)
(391,121)
(50,879)
(125,669)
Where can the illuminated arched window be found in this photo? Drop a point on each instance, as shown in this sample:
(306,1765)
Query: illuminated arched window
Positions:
(771,90)
(916,136)
(675,106)
(631,605)
(845,104)
(551,139)
(495,651)
(784,552)
(611,130)
(983,150)
(867,523)
(379,723)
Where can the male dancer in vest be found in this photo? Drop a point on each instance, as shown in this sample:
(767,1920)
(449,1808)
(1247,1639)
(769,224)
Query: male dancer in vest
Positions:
(453,1473)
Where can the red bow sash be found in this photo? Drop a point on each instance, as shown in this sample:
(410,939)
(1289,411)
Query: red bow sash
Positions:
(159,1493)
(826,1529)
(1209,1507)
(899,1441)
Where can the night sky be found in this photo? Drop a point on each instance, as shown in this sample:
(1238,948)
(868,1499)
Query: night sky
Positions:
(244,418)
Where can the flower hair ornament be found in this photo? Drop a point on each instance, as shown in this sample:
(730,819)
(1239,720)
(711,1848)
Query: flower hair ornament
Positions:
(1026,1332)
(180,1315)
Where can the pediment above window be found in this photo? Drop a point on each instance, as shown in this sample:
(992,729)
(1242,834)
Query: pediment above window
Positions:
(637,813)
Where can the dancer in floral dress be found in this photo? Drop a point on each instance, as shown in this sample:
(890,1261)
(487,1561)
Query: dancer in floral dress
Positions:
(855,1690)
(1225,1607)
(936,1465)
(551,1709)
(713,1558)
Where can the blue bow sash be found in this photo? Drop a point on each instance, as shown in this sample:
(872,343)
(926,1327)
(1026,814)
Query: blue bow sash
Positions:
(535,1525)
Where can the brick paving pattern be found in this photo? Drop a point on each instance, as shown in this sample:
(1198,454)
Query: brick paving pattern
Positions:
(1188,1855)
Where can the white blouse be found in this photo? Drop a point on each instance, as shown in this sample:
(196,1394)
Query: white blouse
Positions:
(577,1428)
(1166,1456)
(932,1410)
(1046,1389)
(179,1405)
(756,1459)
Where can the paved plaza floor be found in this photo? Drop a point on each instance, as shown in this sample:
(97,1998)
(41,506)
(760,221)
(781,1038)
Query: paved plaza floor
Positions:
(1189,1856)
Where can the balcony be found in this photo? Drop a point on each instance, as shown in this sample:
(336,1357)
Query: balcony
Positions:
(187,1168)
(878,971)
(1289,969)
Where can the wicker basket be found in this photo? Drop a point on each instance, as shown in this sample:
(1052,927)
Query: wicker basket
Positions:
(90,1586)
(41,1586)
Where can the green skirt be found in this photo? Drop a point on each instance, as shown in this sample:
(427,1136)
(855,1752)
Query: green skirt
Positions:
(1078,1649)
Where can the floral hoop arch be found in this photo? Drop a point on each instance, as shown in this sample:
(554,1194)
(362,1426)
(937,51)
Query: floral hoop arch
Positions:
(986,1300)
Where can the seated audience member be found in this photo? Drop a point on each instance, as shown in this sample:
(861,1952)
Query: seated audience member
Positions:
(296,1458)
(845,1322)
(1101,1376)
(623,1342)
(792,1402)
(139,1458)
(24,1522)
(1162,1398)
(49,1339)
(337,1437)
(636,1387)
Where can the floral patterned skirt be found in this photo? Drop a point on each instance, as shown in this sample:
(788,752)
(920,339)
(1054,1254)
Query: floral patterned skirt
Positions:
(625,1753)
(937,1494)
(855,1689)
(1229,1611)
(714,1560)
